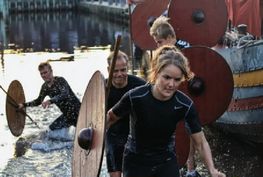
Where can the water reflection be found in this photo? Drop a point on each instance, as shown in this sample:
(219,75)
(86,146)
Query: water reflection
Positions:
(59,31)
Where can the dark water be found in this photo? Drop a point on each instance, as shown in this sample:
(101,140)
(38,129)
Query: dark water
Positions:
(60,31)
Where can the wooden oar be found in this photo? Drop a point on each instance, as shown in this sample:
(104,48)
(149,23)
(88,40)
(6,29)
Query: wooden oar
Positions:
(14,103)
(130,41)
(112,66)
(2,50)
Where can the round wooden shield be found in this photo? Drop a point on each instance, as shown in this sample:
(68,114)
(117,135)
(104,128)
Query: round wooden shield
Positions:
(201,22)
(92,114)
(141,16)
(182,144)
(213,87)
(15,118)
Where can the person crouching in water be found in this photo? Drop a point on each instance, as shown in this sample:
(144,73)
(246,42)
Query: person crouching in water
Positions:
(60,94)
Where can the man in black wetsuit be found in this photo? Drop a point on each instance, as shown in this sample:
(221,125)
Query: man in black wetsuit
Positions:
(116,136)
(60,93)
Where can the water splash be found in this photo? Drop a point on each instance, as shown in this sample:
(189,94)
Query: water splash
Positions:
(48,146)
(54,140)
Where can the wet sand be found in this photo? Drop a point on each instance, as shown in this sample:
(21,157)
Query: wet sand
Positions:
(232,156)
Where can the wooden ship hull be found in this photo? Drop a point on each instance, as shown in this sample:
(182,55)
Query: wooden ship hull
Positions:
(244,116)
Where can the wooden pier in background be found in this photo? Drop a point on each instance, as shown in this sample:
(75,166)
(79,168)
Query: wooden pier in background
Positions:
(16,6)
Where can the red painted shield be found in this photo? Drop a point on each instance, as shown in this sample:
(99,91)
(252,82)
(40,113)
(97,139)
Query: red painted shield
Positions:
(213,86)
(141,15)
(182,144)
(199,21)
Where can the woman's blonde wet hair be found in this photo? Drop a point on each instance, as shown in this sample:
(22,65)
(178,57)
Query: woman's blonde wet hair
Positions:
(165,56)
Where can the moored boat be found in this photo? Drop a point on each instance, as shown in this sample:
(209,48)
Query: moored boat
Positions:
(244,116)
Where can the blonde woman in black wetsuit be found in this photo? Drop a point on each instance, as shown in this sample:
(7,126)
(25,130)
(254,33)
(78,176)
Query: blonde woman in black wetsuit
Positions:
(163,34)
(155,110)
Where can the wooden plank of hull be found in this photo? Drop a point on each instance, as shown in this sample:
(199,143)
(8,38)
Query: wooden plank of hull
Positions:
(252,116)
(247,92)
(246,104)
(249,79)
(246,125)
(198,22)
(15,118)
(246,59)
(92,114)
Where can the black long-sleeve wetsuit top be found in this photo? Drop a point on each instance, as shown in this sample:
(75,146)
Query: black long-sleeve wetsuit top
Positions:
(115,94)
(61,94)
(153,122)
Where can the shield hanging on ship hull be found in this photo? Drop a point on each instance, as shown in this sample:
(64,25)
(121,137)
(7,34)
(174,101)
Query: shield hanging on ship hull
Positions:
(15,118)
(212,87)
(199,22)
(90,130)
(141,18)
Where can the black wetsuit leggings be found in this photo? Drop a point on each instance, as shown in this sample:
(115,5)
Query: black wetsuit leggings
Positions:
(136,167)
(63,122)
